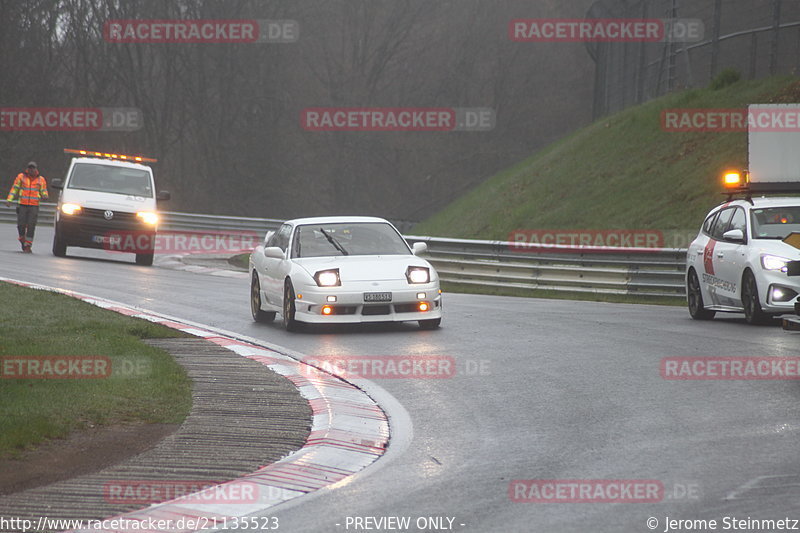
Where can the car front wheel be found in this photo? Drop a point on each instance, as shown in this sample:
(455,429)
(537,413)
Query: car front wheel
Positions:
(753,313)
(694,297)
(259,315)
(289,308)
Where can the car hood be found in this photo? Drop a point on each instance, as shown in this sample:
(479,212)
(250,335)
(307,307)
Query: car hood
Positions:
(364,267)
(776,247)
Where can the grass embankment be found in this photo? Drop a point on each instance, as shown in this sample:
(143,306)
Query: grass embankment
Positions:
(145,384)
(621,172)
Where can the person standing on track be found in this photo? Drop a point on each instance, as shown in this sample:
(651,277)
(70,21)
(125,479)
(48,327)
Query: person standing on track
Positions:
(28,188)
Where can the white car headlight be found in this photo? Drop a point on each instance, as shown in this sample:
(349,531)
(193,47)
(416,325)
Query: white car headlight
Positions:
(415,274)
(148,217)
(328,278)
(773,262)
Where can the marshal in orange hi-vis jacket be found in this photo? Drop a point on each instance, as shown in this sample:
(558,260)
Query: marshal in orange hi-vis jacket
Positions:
(29,188)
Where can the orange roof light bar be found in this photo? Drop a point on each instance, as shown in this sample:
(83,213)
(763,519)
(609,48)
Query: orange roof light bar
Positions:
(734,179)
(91,153)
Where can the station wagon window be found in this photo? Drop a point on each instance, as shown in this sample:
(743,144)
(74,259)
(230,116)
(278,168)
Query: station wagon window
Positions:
(721,223)
(739,221)
(709,223)
(775,222)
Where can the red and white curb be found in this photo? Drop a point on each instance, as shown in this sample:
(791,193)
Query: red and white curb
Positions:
(349,431)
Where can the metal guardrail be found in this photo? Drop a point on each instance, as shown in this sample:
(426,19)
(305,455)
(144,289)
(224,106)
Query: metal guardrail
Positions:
(630,271)
(500,264)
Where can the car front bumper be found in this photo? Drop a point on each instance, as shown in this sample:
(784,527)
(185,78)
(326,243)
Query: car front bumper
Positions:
(350,305)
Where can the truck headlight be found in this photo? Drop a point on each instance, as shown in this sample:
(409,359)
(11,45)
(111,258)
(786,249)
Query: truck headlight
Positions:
(148,217)
(415,274)
(70,209)
(328,278)
(773,262)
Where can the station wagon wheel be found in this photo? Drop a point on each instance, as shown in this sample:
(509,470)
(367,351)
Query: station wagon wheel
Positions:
(289,308)
(753,313)
(694,297)
(259,315)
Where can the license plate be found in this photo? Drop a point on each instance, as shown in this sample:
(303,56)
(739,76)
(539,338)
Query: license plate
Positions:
(107,239)
(377,296)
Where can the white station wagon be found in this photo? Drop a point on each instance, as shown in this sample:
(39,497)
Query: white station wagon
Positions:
(738,262)
(332,270)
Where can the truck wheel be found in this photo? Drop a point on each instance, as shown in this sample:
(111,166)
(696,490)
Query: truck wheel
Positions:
(59,246)
(144,259)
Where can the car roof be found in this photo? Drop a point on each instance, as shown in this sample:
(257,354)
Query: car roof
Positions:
(334,220)
(761,202)
(110,162)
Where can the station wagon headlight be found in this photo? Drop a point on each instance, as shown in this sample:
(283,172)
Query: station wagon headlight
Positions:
(70,209)
(148,217)
(773,262)
(415,274)
(328,278)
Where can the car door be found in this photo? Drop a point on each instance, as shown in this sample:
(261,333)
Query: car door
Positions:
(731,256)
(695,255)
(275,269)
(718,257)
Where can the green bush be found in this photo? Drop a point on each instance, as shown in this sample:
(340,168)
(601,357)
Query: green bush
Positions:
(729,76)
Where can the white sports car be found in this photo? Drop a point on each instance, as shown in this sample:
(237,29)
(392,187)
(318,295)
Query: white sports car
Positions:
(738,262)
(331,270)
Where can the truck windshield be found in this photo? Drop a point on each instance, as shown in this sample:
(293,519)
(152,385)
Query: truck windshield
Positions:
(111,179)
(775,222)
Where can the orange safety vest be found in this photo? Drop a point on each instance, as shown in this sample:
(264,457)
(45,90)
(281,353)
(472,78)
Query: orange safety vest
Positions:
(29,190)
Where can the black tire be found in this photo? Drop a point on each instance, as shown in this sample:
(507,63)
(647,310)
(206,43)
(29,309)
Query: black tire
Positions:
(59,245)
(289,308)
(430,324)
(694,298)
(259,315)
(753,313)
(144,259)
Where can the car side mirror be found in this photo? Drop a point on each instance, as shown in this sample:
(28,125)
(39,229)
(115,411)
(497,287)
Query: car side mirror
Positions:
(163,196)
(57,183)
(419,248)
(273,252)
(733,235)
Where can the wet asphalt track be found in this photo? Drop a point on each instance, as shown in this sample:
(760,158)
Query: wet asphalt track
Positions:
(569,390)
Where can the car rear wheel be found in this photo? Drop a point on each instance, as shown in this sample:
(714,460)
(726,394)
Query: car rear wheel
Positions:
(289,308)
(694,297)
(430,324)
(753,313)
(259,315)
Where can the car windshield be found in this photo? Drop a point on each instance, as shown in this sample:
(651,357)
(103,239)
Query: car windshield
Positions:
(775,222)
(111,179)
(362,238)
